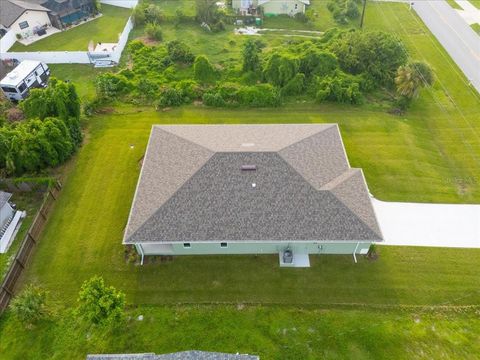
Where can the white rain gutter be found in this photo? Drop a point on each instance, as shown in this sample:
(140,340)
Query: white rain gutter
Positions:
(354,251)
(143,254)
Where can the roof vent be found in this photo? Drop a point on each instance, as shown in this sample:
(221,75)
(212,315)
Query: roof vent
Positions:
(249,167)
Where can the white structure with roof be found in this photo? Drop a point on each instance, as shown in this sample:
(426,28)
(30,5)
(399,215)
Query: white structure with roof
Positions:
(29,74)
(9,221)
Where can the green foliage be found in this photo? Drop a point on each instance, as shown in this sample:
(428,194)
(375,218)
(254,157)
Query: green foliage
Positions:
(143,13)
(100,304)
(109,86)
(230,94)
(375,53)
(412,77)
(343,11)
(314,61)
(59,99)
(170,96)
(147,88)
(251,58)
(203,70)
(138,15)
(180,52)
(340,88)
(206,11)
(281,68)
(294,86)
(154,31)
(30,306)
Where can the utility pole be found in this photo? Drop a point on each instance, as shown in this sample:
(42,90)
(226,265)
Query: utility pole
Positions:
(363,13)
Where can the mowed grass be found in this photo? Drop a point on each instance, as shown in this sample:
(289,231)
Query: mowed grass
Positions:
(83,237)
(104,29)
(272,332)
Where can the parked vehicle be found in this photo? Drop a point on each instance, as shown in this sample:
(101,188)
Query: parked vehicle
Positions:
(27,75)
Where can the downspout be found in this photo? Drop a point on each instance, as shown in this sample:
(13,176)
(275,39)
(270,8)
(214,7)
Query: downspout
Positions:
(141,253)
(354,252)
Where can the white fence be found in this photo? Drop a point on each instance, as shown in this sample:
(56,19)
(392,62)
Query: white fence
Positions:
(71,57)
(7,41)
(121,3)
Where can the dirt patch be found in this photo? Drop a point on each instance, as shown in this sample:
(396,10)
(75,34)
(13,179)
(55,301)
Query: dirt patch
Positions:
(147,41)
(105,110)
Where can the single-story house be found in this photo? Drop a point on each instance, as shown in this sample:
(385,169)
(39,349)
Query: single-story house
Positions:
(28,16)
(270,7)
(23,16)
(183,355)
(65,12)
(250,189)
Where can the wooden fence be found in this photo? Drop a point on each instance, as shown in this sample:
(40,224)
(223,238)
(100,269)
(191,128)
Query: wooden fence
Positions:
(26,248)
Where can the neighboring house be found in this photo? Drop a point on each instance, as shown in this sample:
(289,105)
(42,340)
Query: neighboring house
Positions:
(270,7)
(22,16)
(65,12)
(250,189)
(183,355)
(28,16)
(9,221)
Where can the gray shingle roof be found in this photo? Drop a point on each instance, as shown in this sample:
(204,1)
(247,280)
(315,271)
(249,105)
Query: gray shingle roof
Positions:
(11,10)
(192,187)
(4,196)
(183,355)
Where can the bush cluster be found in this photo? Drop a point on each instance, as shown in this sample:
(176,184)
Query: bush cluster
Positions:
(48,137)
(343,11)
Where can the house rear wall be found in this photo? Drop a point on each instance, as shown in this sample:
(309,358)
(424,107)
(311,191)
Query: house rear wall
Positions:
(34,18)
(197,248)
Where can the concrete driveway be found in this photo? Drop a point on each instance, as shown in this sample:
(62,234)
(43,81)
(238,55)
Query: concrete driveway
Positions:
(416,224)
(455,35)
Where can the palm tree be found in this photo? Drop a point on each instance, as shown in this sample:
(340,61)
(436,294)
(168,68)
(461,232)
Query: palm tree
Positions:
(412,77)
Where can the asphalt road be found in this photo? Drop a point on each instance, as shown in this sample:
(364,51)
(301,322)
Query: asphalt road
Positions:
(455,35)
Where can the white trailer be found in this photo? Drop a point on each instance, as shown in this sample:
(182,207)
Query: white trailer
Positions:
(27,75)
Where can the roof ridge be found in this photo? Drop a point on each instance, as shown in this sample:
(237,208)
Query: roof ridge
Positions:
(332,184)
(328,126)
(339,180)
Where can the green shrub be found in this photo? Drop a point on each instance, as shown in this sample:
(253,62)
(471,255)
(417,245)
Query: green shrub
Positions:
(189,90)
(154,32)
(100,304)
(263,95)
(146,88)
(30,306)
(109,86)
(203,70)
(340,88)
(294,86)
(214,99)
(138,15)
(317,62)
(251,56)
(170,96)
(180,52)
(281,68)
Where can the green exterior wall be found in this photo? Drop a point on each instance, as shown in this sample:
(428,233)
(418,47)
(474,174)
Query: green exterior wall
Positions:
(241,247)
(283,7)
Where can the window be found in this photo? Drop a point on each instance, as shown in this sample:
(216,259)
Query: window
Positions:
(9,89)
(223,244)
(23,25)
(22,87)
(296,6)
(186,245)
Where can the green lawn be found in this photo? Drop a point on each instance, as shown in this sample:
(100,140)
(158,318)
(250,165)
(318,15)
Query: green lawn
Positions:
(104,29)
(476,3)
(429,154)
(454,4)
(271,332)
(476,28)
(83,75)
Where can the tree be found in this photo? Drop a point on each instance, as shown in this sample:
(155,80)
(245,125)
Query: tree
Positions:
(154,31)
(30,306)
(100,304)
(206,11)
(412,77)
(281,68)
(203,70)
(251,59)
(375,53)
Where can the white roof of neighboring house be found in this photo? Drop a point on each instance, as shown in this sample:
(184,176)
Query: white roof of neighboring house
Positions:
(4,197)
(261,2)
(14,77)
(11,10)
